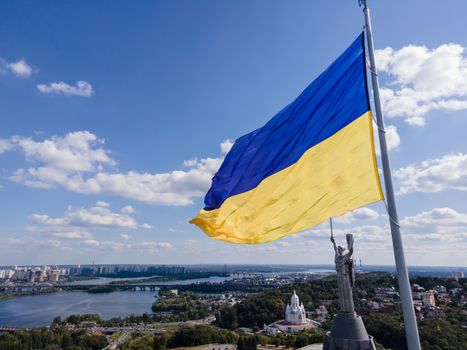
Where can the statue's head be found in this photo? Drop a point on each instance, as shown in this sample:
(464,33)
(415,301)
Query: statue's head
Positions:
(340,250)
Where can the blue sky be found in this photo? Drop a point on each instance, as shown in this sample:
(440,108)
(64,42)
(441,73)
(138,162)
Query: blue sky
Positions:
(115,116)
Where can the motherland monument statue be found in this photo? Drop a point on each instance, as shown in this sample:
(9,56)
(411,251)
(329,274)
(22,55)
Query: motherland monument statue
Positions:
(347,331)
(345,274)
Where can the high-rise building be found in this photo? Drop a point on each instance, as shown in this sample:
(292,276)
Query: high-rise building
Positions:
(41,276)
(21,274)
(54,276)
(31,276)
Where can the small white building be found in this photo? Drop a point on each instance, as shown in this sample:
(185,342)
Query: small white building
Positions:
(295,312)
(295,319)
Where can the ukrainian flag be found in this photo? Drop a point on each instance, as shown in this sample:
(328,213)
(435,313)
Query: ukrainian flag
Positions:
(315,159)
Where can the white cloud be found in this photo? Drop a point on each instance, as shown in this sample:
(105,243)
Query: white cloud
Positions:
(190,162)
(226,145)
(5,145)
(174,188)
(433,175)
(364,233)
(370,233)
(79,235)
(150,245)
(444,225)
(91,242)
(393,139)
(145,247)
(421,80)
(357,215)
(78,163)
(20,68)
(76,224)
(438,224)
(55,230)
(76,151)
(47,220)
(128,210)
(81,88)
(98,216)
(106,205)
(443,217)
(43,177)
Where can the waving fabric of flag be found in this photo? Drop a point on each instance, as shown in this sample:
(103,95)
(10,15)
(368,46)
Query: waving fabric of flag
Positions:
(313,160)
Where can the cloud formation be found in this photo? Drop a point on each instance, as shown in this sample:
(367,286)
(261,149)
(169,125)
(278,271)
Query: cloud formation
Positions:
(393,139)
(226,146)
(98,216)
(358,215)
(434,175)
(79,163)
(81,88)
(440,224)
(50,248)
(439,217)
(19,68)
(144,247)
(5,145)
(421,80)
(78,151)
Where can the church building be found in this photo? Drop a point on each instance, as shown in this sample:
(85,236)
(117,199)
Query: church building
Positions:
(295,312)
(295,319)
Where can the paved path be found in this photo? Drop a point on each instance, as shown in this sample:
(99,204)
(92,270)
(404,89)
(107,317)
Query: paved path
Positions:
(119,341)
(312,347)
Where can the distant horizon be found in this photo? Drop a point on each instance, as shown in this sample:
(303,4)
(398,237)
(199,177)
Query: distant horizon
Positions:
(234,264)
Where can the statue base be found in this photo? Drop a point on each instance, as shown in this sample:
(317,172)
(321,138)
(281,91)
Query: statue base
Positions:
(348,333)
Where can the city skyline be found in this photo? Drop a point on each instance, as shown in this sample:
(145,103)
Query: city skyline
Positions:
(114,125)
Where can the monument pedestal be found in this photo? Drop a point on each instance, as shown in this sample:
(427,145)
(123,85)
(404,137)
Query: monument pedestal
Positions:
(348,333)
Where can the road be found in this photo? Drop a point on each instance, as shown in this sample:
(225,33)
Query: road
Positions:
(113,344)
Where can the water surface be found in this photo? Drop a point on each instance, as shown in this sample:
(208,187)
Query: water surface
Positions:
(40,310)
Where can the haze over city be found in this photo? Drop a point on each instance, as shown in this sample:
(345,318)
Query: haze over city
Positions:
(115,119)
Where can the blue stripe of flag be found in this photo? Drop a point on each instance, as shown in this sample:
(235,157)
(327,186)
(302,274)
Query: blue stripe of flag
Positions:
(332,101)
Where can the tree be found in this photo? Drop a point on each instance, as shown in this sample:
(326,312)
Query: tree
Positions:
(160,342)
(66,340)
(246,343)
(226,318)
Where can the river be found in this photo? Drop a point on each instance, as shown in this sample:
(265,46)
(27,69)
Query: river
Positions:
(40,310)
(102,281)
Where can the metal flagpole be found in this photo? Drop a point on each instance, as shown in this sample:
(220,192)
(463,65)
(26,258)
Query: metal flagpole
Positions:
(410,321)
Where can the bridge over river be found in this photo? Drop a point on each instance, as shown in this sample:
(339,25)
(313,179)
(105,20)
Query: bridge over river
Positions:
(151,286)
(40,287)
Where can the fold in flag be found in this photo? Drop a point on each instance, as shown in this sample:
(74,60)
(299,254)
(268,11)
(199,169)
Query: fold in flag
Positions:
(313,160)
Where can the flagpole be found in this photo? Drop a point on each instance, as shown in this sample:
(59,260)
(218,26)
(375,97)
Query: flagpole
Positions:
(410,321)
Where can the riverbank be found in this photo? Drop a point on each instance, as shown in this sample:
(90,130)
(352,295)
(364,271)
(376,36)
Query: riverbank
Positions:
(169,278)
(24,294)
